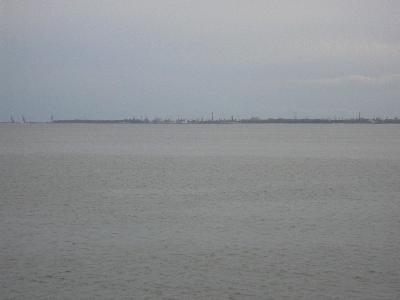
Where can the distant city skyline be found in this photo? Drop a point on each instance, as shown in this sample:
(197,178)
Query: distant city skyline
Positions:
(171,59)
(211,120)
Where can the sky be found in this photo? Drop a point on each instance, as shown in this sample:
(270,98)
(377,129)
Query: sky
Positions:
(174,58)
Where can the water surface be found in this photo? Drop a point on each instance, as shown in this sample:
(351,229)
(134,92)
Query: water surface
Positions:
(199,211)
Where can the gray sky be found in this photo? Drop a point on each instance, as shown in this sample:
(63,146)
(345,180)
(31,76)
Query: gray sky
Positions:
(117,59)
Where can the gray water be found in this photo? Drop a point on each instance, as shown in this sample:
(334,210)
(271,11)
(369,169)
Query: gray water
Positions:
(199,211)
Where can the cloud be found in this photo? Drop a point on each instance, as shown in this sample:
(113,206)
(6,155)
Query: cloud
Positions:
(352,80)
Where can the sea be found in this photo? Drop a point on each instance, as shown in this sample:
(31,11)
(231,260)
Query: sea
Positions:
(212,211)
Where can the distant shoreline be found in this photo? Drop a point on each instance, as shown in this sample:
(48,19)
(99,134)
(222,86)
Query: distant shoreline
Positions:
(253,120)
(223,121)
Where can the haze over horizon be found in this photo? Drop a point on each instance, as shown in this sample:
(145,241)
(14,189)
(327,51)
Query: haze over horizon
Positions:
(119,59)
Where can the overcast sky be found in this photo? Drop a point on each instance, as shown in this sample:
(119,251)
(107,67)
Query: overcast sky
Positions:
(170,58)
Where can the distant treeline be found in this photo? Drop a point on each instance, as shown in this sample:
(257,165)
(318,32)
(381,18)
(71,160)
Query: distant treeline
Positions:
(254,120)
